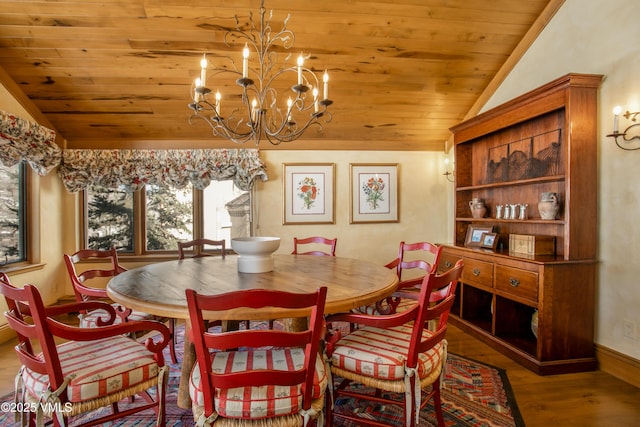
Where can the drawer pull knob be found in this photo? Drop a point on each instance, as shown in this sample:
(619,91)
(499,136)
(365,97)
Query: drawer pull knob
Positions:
(476,272)
(448,264)
(514,282)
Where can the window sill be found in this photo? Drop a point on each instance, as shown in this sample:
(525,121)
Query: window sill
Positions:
(21,268)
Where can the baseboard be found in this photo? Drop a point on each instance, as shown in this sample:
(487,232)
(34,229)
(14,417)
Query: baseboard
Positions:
(619,365)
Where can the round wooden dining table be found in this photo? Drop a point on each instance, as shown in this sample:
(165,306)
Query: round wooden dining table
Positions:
(159,289)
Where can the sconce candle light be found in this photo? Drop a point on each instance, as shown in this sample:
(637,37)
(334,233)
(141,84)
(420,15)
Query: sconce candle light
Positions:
(625,135)
(447,173)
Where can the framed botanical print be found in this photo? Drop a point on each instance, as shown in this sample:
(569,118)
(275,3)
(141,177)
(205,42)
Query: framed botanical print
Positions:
(374,192)
(309,193)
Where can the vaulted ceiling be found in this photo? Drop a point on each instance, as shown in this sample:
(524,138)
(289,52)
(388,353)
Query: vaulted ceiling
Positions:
(118,73)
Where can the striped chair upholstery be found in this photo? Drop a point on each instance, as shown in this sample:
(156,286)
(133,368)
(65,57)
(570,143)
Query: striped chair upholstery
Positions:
(265,401)
(97,368)
(382,353)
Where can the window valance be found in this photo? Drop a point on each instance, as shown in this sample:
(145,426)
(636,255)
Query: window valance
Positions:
(22,139)
(175,168)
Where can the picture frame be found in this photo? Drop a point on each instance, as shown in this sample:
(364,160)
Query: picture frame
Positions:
(475,233)
(374,193)
(489,241)
(309,193)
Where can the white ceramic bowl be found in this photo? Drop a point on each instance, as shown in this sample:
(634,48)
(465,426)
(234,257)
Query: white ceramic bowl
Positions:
(255,253)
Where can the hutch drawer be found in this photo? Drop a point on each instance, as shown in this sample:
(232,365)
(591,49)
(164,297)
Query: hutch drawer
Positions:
(517,282)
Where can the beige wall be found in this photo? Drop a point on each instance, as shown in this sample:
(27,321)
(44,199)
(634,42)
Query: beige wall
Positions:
(423,203)
(600,37)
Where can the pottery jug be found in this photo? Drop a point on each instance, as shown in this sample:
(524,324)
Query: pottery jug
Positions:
(548,205)
(478,209)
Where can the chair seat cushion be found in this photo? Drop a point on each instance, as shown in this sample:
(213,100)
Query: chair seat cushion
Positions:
(97,368)
(258,402)
(90,319)
(381,353)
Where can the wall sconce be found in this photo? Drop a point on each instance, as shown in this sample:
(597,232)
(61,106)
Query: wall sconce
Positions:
(624,137)
(448,174)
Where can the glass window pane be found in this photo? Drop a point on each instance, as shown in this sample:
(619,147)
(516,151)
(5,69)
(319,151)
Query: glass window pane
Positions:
(226,211)
(169,217)
(12,214)
(110,219)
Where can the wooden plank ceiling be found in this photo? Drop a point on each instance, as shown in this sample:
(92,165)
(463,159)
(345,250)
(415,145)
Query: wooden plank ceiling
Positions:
(118,73)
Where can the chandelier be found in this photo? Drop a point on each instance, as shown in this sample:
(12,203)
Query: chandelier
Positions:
(262,113)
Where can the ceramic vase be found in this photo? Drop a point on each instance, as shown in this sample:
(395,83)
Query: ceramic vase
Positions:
(478,208)
(548,205)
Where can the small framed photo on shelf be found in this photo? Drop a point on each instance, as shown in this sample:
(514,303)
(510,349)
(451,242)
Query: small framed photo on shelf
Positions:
(489,241)
(475,233)
(309,193)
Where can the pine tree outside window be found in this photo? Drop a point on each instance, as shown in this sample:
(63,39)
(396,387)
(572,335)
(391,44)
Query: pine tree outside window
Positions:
(167,215)
(12,214)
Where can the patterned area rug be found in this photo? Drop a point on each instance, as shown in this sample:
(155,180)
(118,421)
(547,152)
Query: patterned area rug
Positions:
(474,395)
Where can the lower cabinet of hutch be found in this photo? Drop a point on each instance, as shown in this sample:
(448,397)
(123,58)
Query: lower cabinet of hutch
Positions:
(499,297)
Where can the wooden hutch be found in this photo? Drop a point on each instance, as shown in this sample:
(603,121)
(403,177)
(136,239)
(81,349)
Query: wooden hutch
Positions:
(542,141)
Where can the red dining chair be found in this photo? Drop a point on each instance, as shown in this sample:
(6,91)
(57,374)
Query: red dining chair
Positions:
(90,368)
(414,261)
(315,241)
(395,353)
(84,292)
(255,377)
(199,249)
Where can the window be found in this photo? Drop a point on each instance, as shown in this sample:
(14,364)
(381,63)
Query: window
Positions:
(155,219)
(13,214)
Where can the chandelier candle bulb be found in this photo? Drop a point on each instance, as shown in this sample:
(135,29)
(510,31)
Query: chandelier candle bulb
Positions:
(203,71)
(300,63)
(245,61)
(325,79)
(289,105)
(254,110)
(218,97)
(315,99)
(196,95)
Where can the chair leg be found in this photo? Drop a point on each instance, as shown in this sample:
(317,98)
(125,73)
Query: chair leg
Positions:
(328,408)
(437,402)
(172,343)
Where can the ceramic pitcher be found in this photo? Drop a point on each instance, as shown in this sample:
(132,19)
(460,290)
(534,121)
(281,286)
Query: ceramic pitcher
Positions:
(548,205)
(478,208)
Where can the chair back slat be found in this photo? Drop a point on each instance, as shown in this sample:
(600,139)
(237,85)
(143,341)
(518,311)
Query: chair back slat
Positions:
(315,241)
(411,257)
(198,246)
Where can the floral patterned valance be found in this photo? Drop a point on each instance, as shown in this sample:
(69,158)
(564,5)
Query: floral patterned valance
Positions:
(175,168)
(21,139)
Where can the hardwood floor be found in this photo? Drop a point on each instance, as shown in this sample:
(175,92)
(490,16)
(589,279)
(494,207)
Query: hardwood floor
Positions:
(590,399)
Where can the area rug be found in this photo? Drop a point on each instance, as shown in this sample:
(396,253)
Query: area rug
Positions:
(474,394)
